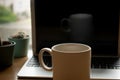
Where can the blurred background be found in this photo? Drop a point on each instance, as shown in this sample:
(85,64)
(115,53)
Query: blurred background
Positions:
(15,16)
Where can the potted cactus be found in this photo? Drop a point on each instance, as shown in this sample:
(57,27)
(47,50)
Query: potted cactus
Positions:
(22,44)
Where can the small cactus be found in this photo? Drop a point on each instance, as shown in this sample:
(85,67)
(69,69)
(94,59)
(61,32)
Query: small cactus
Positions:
(20,35)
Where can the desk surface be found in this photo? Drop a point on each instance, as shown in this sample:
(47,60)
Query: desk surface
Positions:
(10,72)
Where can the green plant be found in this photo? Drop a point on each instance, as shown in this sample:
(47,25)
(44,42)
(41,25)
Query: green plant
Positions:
(6,15)
(20,35)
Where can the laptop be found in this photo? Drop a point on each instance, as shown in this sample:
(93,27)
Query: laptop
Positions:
(47,31)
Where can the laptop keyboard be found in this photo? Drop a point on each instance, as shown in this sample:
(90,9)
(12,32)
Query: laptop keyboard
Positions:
(96,64)
(105,63)
(35,63)
(105,66)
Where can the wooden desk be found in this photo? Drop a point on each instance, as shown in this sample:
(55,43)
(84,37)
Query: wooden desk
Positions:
(10,72)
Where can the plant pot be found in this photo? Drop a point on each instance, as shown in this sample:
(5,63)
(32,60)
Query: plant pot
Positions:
(6,53)
(21,47)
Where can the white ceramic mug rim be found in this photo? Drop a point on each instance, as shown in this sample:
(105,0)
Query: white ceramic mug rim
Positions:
(79,51)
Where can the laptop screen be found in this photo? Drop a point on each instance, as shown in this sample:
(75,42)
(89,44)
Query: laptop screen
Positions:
(48,31)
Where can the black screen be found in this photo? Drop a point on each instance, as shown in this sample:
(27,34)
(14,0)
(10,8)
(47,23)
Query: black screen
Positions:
(104,37)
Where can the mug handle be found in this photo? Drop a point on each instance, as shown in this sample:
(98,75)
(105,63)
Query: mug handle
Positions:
(65,24)
(41,61)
